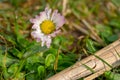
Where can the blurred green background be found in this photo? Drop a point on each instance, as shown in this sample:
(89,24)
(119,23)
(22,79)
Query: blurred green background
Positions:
(90,25)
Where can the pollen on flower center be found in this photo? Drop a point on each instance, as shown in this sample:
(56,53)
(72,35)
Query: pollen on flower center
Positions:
(47,27)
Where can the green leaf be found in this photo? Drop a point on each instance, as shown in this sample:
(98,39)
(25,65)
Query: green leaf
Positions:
(16,53)
(8,60)
(116,76)
(49,60)
(35,59)
(90,46)
(51,51)
(115,23)
(112,75)
(112,38)
(104,31)
(41,70)
(23,43)
(10,39)
(34,49)
(13,68)
(31,77)
(66,60)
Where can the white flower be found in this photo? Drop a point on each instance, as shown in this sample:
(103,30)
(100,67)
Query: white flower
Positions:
(46,26)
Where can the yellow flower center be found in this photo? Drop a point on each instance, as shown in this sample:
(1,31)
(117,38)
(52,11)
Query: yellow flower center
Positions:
(47,27)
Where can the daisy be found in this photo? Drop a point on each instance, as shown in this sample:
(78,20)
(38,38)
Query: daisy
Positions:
(46,25)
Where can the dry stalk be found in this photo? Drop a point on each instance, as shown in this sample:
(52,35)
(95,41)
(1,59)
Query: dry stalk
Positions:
(103,60)
(89,31)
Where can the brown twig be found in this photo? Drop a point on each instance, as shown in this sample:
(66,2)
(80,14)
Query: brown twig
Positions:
(103,60)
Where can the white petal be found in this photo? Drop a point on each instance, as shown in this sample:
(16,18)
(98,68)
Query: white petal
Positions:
(48,12)
(38,39)
(53,14)
(58,19)
(43,41)
(36,34)
(43,16)
(48,41)
(55,33)
(35,26)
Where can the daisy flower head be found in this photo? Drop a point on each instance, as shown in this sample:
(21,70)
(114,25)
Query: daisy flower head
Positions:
(46,25)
